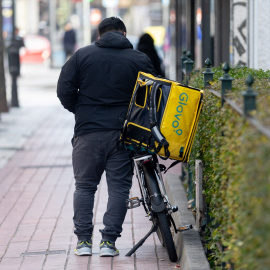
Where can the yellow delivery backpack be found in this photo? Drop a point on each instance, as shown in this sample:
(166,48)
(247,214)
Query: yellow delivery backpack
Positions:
(162,118)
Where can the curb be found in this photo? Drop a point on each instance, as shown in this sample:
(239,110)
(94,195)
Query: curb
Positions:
(188,243)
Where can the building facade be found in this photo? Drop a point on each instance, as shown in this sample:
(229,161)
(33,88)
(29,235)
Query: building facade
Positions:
(233,31)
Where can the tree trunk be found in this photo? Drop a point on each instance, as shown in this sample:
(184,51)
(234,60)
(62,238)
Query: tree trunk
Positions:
(3,96)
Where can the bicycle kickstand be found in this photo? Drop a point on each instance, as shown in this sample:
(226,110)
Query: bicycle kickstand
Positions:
(153,229)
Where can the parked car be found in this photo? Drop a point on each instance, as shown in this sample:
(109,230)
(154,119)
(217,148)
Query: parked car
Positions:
(37,49)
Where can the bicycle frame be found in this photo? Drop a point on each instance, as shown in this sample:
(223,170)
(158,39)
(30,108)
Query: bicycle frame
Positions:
(159,178)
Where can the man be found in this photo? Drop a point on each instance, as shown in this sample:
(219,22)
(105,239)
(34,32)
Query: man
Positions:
(14,46)
(96,84)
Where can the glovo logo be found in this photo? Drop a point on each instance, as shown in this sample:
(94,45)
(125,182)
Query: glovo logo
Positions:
(179,111)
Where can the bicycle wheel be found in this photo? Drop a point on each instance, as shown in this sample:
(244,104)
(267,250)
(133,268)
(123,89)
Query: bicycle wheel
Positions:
(160,237)
(155,199)
(158,232)
(166,235)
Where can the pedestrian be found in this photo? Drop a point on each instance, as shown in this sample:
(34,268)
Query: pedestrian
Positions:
(14,44)
(18,39)
(146,45)
(69,40)
(19,43)
(96,84)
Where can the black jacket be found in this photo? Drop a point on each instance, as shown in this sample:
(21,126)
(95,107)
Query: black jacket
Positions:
(97,82)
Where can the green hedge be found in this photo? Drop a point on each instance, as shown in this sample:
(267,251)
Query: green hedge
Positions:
(236,179)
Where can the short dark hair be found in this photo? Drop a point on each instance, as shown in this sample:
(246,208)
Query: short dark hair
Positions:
(111,24)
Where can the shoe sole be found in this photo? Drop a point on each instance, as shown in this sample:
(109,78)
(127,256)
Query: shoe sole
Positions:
(83,252)
(108,252)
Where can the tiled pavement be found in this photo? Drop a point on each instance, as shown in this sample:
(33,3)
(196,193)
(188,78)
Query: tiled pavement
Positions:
(36,190)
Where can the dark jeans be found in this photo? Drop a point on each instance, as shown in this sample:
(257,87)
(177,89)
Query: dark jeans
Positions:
(93,154)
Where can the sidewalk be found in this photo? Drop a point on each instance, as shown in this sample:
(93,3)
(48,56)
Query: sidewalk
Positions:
(37,98)
(36,192)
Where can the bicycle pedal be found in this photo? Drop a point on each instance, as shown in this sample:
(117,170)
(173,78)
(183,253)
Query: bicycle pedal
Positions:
(184,228)
(133,203)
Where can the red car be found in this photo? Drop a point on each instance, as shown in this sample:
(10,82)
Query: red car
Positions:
(37,49)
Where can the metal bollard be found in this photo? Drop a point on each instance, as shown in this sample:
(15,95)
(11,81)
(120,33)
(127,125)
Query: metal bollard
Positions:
(249,96)
(226,82)
(188,67)
(208,73)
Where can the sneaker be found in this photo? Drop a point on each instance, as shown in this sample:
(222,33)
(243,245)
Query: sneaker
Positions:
(84,248)
(108,249)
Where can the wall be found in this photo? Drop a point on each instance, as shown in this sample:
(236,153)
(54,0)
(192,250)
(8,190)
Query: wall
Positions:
(259,37)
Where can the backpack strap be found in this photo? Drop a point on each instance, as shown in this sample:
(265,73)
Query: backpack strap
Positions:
(172,165)
(158,136)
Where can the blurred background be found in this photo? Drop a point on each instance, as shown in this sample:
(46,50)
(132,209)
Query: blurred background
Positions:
(41,23)
(221,30)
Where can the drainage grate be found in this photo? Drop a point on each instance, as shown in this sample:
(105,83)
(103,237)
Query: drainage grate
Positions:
(46,166)
(52,252)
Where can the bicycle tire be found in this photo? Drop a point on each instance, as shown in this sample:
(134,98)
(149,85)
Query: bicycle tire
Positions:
(163,223)
(166,234)
(158,232)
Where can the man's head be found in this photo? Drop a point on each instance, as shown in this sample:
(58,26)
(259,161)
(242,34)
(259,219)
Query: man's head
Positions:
(111,24)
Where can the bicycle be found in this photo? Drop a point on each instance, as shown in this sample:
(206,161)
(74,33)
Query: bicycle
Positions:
(141,133)
(155,202)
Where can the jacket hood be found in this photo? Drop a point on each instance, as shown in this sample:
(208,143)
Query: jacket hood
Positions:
(114,39)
